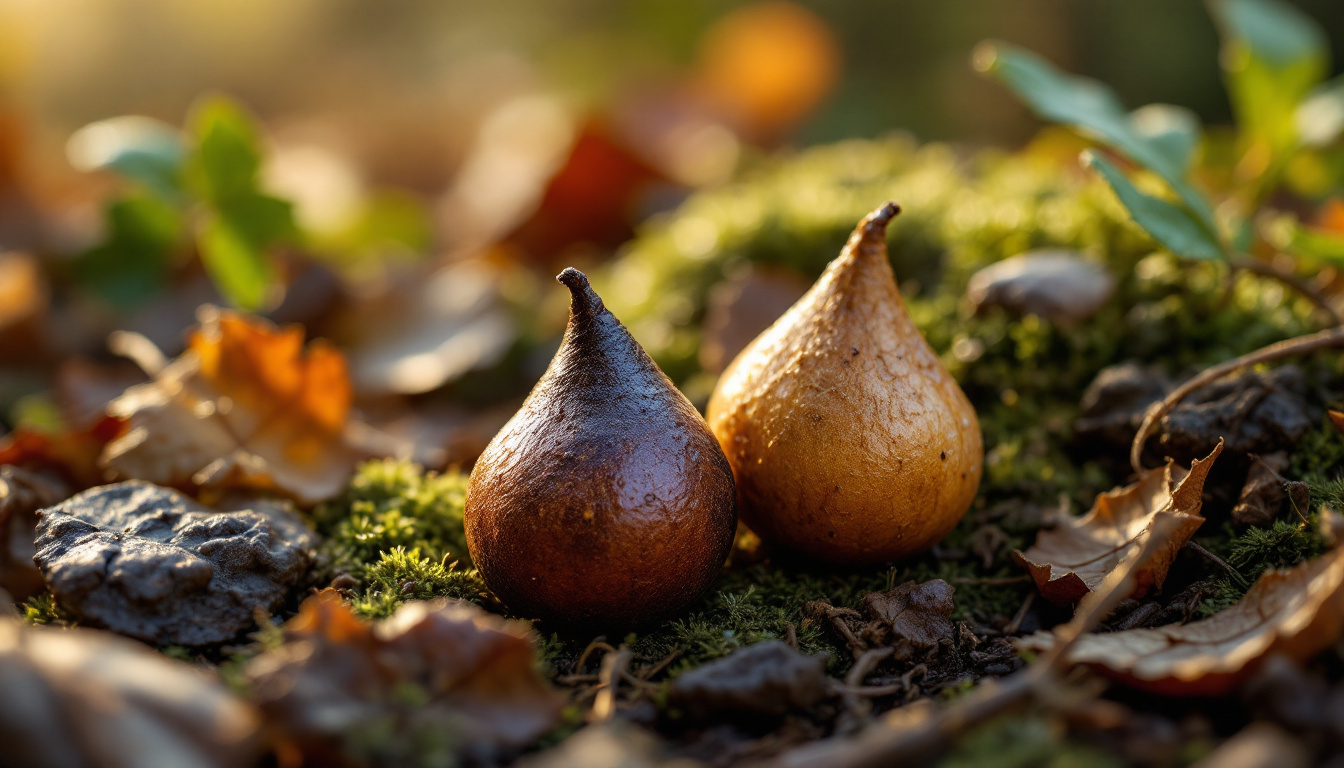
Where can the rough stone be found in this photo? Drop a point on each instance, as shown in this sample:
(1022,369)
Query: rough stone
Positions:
(1058,285)
(1114,403)
(150,563)
(1256,412)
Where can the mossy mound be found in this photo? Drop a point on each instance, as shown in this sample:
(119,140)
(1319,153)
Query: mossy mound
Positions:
(1024,375)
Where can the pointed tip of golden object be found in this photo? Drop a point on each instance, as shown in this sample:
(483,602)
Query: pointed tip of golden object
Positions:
(841,424)
(877,220)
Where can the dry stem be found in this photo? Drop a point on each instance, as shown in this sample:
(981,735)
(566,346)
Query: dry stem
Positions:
(1331,337)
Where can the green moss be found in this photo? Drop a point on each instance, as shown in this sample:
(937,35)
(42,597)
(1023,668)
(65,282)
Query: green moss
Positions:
(400,575)
(42,609)
(1283,544)
(1318,461)
(1025,741)
(390,504)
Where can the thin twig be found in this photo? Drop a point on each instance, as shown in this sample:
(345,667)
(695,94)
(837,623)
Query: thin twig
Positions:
(660,666)
(858,707)
(1220,562)
(1021,614)
(576,679)
(597,644)
(1306,289)
(614,667)
(1331,337)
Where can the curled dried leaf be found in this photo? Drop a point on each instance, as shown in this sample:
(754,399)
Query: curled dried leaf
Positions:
(1070,561)
(82,697)
(245,406)
(1297,612)
(918,613)
(436,679)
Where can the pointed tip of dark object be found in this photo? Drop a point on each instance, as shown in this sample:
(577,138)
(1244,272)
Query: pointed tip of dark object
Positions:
(584,297)
(876,222)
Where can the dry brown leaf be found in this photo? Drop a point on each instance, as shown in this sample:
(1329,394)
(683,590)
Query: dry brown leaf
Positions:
(442,671)
(81,697)
(1297,612)
(1072,560)
(246,405)
(918,613)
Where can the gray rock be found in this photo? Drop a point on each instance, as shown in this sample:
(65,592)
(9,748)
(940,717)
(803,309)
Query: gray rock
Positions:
(1058,285)
(150,563)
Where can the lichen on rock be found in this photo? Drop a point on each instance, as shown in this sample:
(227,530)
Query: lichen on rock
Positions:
(150,563)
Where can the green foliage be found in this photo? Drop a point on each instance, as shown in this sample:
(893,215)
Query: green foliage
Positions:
(390,504)
(1171,225)
(199,192)
(400,575)
(1162,145)
(241,223)
(131,264)
(1274,58)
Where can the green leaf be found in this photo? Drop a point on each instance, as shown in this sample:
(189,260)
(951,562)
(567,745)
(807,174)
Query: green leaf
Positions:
(240,269)
(262,219)
(1274,31)
(1320,118)
(1172,226)
(131,265)
(140,149)
(1297,239)
(1273,56)
(228,151)
(1170,130)
(1093,109)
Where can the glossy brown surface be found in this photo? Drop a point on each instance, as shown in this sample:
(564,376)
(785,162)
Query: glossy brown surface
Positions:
(605,502)
(849,440)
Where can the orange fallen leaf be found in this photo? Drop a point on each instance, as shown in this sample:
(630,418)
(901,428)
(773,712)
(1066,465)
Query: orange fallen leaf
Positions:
(444,670)
(1072,560)
(768,65)
(72,454)
(1297,612)
(245,405)
(1337,419)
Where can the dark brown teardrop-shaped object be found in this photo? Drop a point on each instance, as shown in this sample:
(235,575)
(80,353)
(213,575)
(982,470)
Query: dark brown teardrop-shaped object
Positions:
(605,502)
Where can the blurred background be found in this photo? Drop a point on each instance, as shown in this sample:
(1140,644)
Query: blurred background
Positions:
(422,149)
